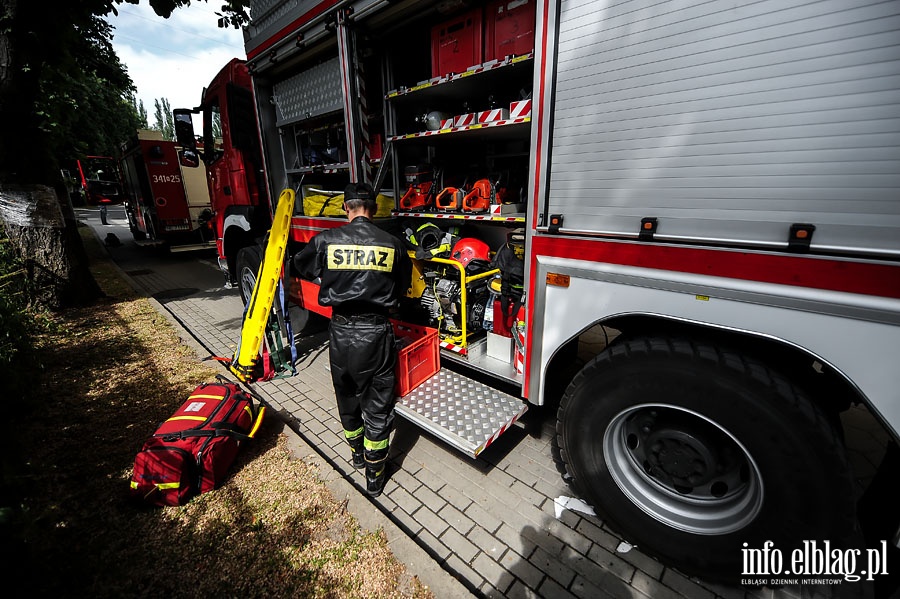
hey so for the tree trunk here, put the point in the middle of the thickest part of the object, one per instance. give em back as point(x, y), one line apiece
point(48, 245)
point(39, 221)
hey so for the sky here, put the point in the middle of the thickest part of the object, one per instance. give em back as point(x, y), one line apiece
point(173, 58)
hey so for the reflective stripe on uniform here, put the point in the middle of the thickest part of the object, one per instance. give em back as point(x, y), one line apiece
point(375, 445)
point(351, 435)
point(360, 257)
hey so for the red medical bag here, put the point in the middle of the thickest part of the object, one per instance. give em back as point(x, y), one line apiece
point(191, 452)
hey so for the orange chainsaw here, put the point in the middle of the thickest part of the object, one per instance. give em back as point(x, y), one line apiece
point(480, 198)
point(450, 199)
point(420, 194)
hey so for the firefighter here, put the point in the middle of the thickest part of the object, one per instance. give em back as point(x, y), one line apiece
point(363, 271)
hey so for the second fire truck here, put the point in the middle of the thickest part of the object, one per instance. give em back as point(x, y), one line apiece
point(167, 198)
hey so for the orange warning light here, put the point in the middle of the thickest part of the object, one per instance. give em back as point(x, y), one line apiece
point(557, 279)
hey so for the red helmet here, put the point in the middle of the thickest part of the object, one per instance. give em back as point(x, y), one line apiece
point(468, 249)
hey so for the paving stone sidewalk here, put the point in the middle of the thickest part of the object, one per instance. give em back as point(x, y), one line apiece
point(492, 526)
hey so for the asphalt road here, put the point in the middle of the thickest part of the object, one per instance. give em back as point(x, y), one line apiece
point(498, 526)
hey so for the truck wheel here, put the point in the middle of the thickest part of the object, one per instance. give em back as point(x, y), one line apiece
point(136, 233)
point(248, 260)
point(694, 453)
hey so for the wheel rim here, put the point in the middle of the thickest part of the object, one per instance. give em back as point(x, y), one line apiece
point(248, 281)
point(683, 469)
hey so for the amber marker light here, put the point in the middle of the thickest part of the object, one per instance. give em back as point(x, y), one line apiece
point(557, 280)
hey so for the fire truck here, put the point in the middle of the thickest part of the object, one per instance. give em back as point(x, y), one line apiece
point(98, 179)
point(712, 190)
point(167, 196)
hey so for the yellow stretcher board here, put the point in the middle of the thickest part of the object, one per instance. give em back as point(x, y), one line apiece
point(260, 306)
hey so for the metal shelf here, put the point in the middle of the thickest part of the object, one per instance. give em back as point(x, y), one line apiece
point(512, 128)
point(462, 84)
point(337, 167)
point(483, 217)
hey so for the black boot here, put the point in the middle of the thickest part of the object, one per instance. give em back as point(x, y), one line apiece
point(356, 452)
point(376, 463)
point(375, 477)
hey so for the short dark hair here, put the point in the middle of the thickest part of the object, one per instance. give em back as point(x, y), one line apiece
point(360, 195)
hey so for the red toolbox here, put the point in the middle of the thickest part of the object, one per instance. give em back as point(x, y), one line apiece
point(456, 44)
point(417, 359)
point(508, 28)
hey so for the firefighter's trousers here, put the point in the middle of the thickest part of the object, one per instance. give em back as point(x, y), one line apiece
point(362, 356)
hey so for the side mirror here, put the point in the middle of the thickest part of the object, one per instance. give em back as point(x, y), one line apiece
point(188, 158)
point(184, 129)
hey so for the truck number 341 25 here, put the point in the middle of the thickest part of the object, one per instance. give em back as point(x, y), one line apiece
point(167, 178)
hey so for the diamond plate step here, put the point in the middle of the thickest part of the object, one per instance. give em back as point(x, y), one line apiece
point(464, 413)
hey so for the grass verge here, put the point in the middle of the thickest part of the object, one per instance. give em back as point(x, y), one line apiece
point(106, 377)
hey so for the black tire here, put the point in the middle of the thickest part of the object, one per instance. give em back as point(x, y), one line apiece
point(136, 233)
point(691, 451)
point(151, 226)
point(247, 264)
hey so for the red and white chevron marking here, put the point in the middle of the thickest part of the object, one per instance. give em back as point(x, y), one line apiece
point(502, 430)
point(462, 128)
point(521, 108)
point(495, 114)
point(487, 66)
point(464, 120)
point(457, 216)
point(457, 349)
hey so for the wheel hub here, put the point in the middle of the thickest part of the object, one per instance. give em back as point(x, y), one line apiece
point(683, 469)
point(678, 456)
point(677, 450)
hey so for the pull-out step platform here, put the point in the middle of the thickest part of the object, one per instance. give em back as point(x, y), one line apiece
point(206, 245)
point(464, 413)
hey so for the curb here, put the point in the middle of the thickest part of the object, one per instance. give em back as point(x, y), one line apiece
point(417, 561)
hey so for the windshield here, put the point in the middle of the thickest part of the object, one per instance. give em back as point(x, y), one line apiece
point(212, 131)
point(99, 168)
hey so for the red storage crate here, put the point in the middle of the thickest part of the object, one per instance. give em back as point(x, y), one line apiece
point(508, 28)
point(417, 359)
point(456, 44)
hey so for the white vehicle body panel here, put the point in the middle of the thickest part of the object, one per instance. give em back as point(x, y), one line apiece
point(857, 335)
point(729, 121)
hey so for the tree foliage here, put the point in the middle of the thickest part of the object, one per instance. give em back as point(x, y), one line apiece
point(59, 75)
point(165, 122)
point(138, 108)
point(63, 93)
point(59, 68)
point(233, 12)
point(88, 103)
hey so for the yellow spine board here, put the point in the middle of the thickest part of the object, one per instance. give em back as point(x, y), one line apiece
point(253, 329)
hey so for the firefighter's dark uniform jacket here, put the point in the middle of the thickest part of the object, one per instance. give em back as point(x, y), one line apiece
point(363, 272)
point(362, 267)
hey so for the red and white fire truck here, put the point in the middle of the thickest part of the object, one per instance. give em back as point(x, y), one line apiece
point(713, 189)
point(167, 197)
